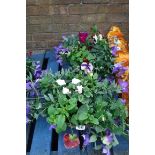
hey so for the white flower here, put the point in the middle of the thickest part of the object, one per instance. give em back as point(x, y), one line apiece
point(66, 90)
point(61, 82)
point(95, 38)
point(79, 89)
point(80, 127)
point(75, 81)
point(100, 36)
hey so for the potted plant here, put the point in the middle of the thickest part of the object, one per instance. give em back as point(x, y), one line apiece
point(86, 96)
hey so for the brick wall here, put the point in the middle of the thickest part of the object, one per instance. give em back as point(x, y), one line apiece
point(48, 20)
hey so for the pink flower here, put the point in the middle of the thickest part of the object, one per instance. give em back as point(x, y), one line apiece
point(83, 36)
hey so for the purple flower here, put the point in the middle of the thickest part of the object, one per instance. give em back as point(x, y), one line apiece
point(27, 109)
point(86, 139)
point(60, 50)
point(119, 69)
point(114, 49)
point(105, 150)
point(123, 101)
point(27, 120)
point(107, 132)
point(117, 121)
point(28, 86)
point(123, 85)
point(87, 67)
point(52, 127)
point(110, 79)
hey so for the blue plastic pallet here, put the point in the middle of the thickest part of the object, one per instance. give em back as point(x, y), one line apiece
point(40, 140)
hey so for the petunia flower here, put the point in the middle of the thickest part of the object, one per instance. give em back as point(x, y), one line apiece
point(123, 101)
point(28, 86)
point(100, 36)
point(108, 138)
point(27, 120)
point(83, 36)
point(87, 67)
point(95, 38)
point(52, 127)
point(66, 91)
point(86, 139)
point(61, 82)
point(105, 150)
point(123, 85)
point(119, 69)
point(38, 71)
point(75, 81)
point(79, 89)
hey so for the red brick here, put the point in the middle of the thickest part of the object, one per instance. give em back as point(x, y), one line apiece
point(40, 45)
point(119, 1)
point(60, 2)
point(44, 10)
point(83, 9)
point(95, 1)
point(53, 43)
point(113, 8)
point(29, 45)
point(44, 36)
point(50, 28)
point(44, 2)
point(66, 19)
point(33, 28)
point(37, 10)
point(32, 2)
point(40, 19)
point(32, 10)
point(93, 18)
point(117, 18)
point(28, 37)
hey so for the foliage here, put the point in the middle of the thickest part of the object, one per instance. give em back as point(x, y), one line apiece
point(84, 95)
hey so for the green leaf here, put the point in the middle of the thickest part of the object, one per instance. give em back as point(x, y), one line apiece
point(95, 121)
point(115, 143)
point(83, 116)
point(73, 101)
point(46, 98)
point(74, 120)
point(60, 123)
point(95, 76)
point(51, 110)
point(93, 138)
point(87, 94)
point(51, 97)
point(81, 98)
point(83, 109)
point(98, 129)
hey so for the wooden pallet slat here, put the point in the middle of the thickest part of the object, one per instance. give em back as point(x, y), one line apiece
point(122, 148)
point(52, 64)
point(38, 57)
point(41, 143)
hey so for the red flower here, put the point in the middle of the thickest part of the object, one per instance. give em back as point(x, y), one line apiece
point(29, 53)
point(83, 36)
point(70, 143)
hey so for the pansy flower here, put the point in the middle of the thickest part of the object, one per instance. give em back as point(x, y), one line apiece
point(86, 139)
point(123, 85)
point(87, 67)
